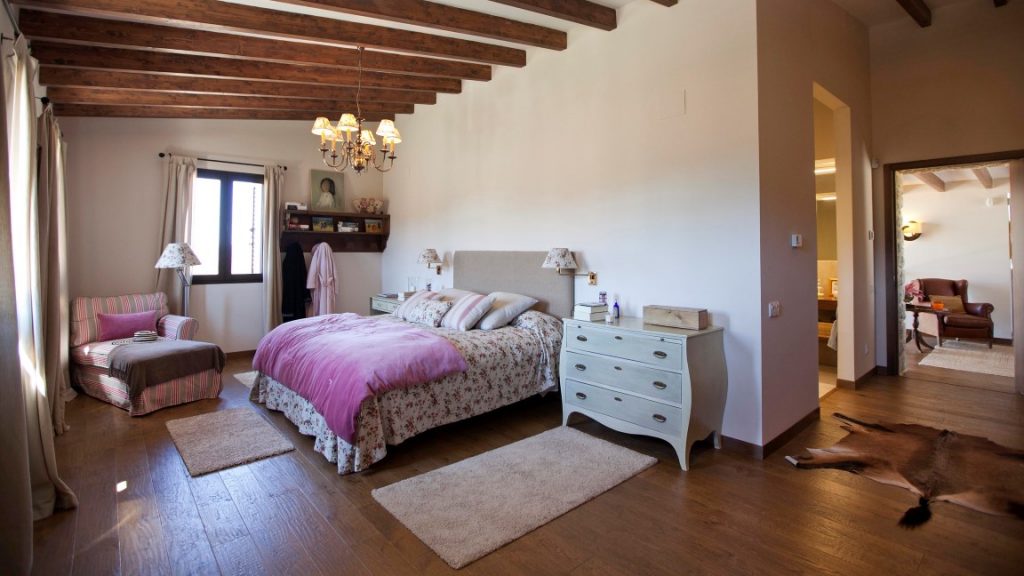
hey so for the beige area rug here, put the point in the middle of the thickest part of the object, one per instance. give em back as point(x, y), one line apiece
point(971, 357)
point(471, 508)
point(248, 379)
point(218, 440)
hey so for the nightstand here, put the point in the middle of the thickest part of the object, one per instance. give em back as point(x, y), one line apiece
point(639, 378)
point(382, 305)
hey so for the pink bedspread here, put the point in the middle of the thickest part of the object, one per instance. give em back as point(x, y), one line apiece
point(338, 361)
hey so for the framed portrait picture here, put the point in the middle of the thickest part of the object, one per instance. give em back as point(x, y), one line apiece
point(322, 223)
point(326, 191)
point(375, 226)
point(834, 287)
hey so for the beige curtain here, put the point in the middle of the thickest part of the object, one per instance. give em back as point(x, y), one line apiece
point(53, 265)
point(273, 188)
point(15, 482)
point(177, 216)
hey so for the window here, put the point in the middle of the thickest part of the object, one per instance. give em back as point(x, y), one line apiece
point(227, 236)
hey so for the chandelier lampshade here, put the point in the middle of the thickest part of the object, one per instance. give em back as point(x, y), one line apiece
point(355, 146)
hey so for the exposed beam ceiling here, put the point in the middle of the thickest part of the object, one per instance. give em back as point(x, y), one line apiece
point(983, 176)
point(186, 112)
point(932, 179)
point(578, 11)
point(449, 18)
point(666, 2)
point(919, 11)
point(1000, 3)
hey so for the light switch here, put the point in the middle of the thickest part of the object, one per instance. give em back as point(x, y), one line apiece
point(774, 309)
point(796, 240)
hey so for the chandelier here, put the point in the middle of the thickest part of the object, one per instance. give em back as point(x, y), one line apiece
point(351, 144)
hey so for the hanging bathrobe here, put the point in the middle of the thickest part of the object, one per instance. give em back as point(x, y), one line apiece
point(321, 279)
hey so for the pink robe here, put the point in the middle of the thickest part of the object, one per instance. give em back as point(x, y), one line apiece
point(321, 279)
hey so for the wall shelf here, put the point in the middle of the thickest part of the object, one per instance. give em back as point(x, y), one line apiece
point(359, 241)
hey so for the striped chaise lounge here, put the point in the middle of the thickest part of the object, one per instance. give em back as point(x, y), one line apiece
point(89, 361)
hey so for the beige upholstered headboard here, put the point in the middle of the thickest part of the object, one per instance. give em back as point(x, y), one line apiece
point(518, 272)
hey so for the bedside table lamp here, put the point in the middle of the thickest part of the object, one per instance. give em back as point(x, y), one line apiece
point(559, 258)
point(431, 259)
point(179, 256)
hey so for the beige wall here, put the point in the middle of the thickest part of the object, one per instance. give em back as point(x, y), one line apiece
point(115, 194)
point(799, 43)
point(952, 89)
point(596, 148)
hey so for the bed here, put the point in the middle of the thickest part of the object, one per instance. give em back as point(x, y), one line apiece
point(503, 366)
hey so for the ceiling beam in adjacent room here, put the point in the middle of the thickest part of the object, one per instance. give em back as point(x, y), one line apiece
point(49, 53)
point(1000, 3)
point(66, 110)
point(147, 98)
point(96, 31)
point(983, 176)
point(451, 18)
point(579, 11)
point(666, 2)
point(52, 76)
point(919, 11)
point(932, 180)
point(211, 14)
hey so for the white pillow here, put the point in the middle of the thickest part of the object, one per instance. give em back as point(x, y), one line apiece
point(467, 311)
point(427, 312)
point(506, 307)
point(454, 294)
point(409, 302)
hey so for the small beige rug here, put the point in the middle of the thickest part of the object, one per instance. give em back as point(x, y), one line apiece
point(248, 379)
point(971, 357)
point(218, 440)
point(471, 508)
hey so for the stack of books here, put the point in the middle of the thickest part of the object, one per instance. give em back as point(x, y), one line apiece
point(145, 336)
point(589, 311)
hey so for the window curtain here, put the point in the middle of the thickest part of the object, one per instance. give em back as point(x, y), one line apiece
point(31, 269)
point(273, 188)
point(177, 216)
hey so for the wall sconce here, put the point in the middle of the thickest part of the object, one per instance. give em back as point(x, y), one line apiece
point(911, 230)
point(559, 258)
point(431, 259)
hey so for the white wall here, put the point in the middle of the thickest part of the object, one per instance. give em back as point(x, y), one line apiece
point(802, 43)
point(115, 194)
point(963, 238)
point(592, 148)
point(954, 88)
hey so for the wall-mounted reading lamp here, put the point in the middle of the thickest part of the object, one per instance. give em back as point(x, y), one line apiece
point(559, 258)
point(911, 230)
point(431, 259)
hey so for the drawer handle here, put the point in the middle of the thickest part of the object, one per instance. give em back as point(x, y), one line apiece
point(581, 338)
point(619, 368)
point(660, 354)
point(618, 337)
point(581, 367)
point(581, 395)
point(617, 399)
point(657, 417)
point(660, 385)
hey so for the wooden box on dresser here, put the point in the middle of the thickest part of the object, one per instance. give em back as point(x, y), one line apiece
point(638, 378)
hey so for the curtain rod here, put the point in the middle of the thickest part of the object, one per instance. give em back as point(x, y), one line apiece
point(162, 154)
point(10, 16)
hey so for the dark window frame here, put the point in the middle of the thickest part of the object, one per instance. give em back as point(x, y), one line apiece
point(224, 275)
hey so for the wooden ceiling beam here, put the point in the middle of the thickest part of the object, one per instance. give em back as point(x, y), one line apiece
point(1000, 3)
point(95, 31)
point(932, 180)
point(442, 17)
point(983, 176)
point(224, 16)
point(919, 11)
point(666, 2)
point(52, 76)
point(578, 11)
point(49, 53)
point(68, 110)
point(148, 98)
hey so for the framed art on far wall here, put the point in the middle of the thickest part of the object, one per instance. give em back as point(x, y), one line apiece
point(326, 191)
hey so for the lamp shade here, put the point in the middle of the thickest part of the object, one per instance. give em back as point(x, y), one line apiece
point(177, 255)
point(348, 123)
point(322, 127)
point(386, 128)
point(429, 256)
point(560, 258)
point(394, 138)
point(367, 138)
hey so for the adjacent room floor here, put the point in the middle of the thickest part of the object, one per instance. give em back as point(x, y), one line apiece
point(730, 513)
point(956, 377)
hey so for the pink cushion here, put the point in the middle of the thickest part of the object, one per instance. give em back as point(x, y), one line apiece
point(114, 326)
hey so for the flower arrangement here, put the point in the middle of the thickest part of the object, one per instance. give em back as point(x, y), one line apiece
point(913, 292)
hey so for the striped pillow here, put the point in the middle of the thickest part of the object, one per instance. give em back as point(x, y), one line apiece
point(403, 309)
point(467, 311)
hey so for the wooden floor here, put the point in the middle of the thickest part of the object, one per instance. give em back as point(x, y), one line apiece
point(958, 377)
point(730, 514)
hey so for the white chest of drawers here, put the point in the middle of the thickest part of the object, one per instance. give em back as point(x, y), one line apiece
point(643, 379)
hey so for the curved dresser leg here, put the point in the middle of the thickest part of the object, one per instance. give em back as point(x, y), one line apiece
point(682, 453)
point(718, 440)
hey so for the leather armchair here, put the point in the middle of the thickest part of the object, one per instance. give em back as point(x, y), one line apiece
point(975, 322)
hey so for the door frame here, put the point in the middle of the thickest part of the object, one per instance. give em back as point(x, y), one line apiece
point(894, 336)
